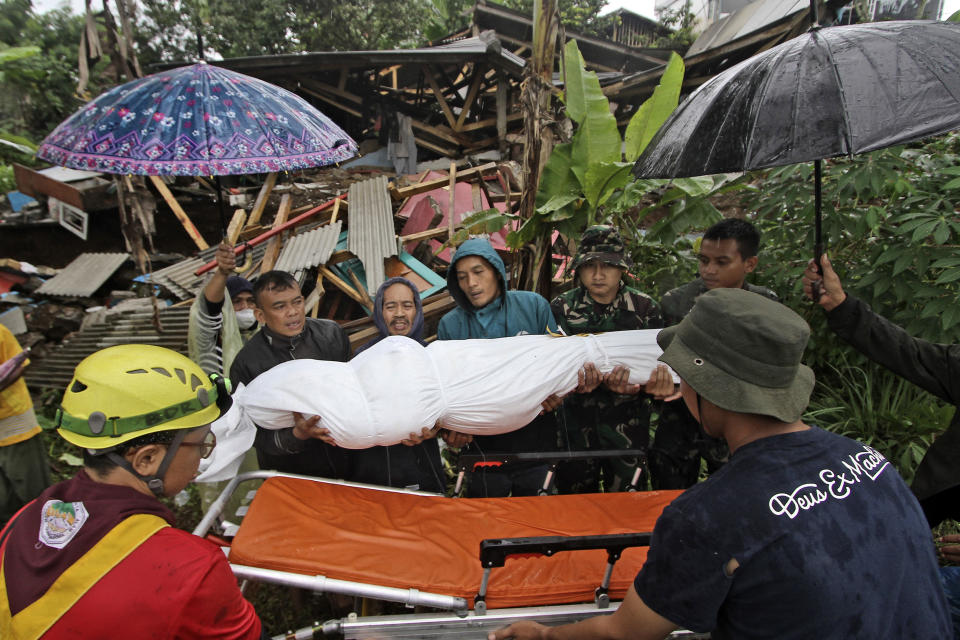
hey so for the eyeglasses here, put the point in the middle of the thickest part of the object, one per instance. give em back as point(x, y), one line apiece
point(206, 445)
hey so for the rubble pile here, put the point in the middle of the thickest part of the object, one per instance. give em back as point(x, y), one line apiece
point(341, 232)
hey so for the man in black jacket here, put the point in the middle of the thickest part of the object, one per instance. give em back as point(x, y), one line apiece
point(933, 367)
point(288, 334)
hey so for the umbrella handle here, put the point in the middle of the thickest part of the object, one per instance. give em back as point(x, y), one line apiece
point(245, 259)
point(817, 289)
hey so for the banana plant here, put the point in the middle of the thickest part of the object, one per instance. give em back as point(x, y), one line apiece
point(590, 172)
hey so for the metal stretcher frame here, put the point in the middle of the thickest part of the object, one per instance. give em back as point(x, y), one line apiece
point(493, 554)
point(319, 583)
point(476, 461)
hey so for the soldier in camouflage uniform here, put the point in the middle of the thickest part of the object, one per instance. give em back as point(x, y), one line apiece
point(728, 252)
point(600, 301)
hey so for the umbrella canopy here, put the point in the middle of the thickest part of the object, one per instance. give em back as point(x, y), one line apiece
point(197, 120)
point(832, 91)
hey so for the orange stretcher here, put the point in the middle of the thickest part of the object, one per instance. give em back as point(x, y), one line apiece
point(348, 534)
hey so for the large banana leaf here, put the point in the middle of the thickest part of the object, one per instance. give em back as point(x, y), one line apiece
point(597, 138)
point(557, 178)
point(604, 178)
point(17, 142)
point(654, 112)
point(15, 53)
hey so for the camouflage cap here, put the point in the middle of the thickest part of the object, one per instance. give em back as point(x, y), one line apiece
point(601, 242)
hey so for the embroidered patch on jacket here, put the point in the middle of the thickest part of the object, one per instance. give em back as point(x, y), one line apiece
point(60, 521)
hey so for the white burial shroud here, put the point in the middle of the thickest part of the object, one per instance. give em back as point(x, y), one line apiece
point(397, 387)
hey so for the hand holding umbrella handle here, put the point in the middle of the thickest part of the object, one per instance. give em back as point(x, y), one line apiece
point(272, 232)
point(816, 286)
point(820, 276)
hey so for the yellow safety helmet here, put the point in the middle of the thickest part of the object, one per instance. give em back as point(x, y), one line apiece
point(127, 391)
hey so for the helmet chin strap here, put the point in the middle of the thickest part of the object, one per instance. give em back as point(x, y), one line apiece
point(155, 481)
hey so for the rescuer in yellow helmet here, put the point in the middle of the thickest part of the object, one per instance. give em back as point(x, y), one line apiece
point(142, 416)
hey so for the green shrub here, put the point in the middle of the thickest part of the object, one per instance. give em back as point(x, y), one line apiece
point(864, 401)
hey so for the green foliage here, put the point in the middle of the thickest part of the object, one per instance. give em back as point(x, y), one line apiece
point(597, 139)
point(655, 111)
point(892, 232)
point(890, 226)
point(39, 72)
point(16, 53)
point(7, 181)
point(447, 16)
point(585, 180)
point(13, 18)
point(17, 143)
point(478, 223)
point(683, 22)
point(687, 204)
point(658, 266)
point(579, 15)
point(864, 401)
point(265, 27)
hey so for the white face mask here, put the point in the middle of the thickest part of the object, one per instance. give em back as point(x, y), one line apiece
point(246, 319)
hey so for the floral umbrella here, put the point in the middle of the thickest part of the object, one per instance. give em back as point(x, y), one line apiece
point(196, 120)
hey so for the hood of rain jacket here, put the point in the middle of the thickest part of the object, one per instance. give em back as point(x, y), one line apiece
point(416, 331)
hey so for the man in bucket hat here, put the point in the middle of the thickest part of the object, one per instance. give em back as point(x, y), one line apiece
point(613, 416)
point(802, 534)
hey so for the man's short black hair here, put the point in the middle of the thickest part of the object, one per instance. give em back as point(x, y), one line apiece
point(746, 235)
point(273, 281)
point(102, 464)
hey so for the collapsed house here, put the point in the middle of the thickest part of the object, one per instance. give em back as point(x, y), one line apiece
point(439, 130)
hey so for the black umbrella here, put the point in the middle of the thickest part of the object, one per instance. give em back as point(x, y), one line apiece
point(832, 91)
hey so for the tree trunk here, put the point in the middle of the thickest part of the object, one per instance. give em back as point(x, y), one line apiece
point(537, 120)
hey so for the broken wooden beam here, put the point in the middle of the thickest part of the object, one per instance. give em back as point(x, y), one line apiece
point(236, 226)
point(452, 182)
point(338, 282)
point(471, 95)
point(273, 249)
point(261, 202)
point(430, 185)
point(438, 94)
point(425, 235)
point(178, 211)
point(362, 290)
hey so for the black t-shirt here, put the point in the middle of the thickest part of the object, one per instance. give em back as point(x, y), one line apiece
point(830, 542)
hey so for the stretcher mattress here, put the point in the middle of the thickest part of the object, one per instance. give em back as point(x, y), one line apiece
point(432, 543)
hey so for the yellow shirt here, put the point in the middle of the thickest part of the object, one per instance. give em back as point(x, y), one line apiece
point(17, 420)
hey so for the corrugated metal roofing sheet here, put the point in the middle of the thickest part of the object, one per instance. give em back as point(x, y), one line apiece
point(134, 327)
point(180, 278)
point(308, 249)
point(753, 17)
point(371, 236)
point(84, 275)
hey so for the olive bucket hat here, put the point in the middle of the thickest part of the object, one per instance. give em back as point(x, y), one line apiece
point(601, 242)
point(741, 351)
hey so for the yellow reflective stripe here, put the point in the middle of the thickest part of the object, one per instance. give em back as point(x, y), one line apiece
point(39, 616)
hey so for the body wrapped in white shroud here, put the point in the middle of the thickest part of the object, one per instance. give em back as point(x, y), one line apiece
point(482, 387)
point(398, 387)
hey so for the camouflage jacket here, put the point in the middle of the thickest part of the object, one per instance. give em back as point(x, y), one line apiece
point(603, 419)
point(676, 303)
point(576, 312)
